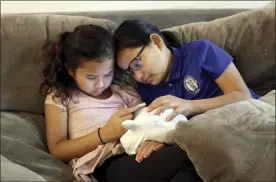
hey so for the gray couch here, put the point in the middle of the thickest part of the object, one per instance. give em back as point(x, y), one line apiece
point(23, 141)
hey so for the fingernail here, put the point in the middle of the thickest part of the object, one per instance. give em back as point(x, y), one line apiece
point(145, 156)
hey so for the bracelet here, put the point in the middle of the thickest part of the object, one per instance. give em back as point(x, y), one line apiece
point(100, 137)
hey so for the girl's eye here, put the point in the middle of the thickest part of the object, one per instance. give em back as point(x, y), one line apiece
point(109, 74)
point(91, 78)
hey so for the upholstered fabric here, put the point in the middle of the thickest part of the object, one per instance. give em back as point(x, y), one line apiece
point(23, 142)
point(11, 171)
point(232, 143)
point(163, 18)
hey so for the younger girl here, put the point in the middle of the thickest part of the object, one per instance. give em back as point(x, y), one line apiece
point(84, 112)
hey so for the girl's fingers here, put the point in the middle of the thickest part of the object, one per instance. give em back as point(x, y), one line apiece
point(159, 146)
point(141, 151)
point(149, 150)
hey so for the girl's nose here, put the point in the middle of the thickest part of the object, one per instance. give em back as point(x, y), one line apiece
point(138, 76)
point(100, 83)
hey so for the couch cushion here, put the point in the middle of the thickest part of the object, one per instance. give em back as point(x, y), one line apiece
point(232, 143)
point(19, 173)
point(23, 142)
point(22, 37)
point(248, 36)
point(162, 18)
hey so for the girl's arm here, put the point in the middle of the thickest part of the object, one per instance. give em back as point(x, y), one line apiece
point(231, 84)
point(57, 133)
point(57, 136)
point(233, 87)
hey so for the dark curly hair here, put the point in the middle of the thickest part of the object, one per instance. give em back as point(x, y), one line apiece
point(85, 43)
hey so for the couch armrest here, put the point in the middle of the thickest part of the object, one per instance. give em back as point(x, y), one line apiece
point(19, 173)
point(23, 142)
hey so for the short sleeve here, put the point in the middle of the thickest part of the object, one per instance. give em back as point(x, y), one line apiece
point(128, 94)
point(214, 60)
point(55, 102)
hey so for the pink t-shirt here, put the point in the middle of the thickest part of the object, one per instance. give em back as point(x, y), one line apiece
point(88, 114)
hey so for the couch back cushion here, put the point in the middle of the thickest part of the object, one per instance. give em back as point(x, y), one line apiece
point(248, 36)
point(22, 37)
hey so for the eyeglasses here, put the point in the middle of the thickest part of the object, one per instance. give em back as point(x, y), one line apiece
point(136, 63)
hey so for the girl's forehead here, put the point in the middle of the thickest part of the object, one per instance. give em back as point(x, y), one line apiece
point(95, 66)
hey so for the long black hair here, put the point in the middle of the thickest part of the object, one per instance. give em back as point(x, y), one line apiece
point(135, 33)
point(85, 43)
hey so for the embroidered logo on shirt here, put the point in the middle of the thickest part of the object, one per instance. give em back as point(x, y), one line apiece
point(191, 84)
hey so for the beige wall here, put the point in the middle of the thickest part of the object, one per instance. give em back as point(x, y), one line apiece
point(63, 6)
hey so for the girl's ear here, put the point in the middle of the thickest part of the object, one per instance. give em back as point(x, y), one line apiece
point(70, 72)
point(157, 40)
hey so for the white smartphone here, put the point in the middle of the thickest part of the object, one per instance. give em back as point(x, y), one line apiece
point(141, 105)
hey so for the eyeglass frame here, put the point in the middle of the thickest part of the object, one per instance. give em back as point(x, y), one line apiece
point(136, 58)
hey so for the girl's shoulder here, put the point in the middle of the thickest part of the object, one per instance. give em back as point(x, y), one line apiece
point(56, 101)
point(122, 87)
point(127, 93)
point(196, 46)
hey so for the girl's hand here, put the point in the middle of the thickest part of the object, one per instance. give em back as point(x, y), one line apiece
point(114, 124)
point(179, 105)
point(146, 148)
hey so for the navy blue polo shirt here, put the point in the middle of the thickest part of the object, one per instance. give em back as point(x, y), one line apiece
point(196, 66)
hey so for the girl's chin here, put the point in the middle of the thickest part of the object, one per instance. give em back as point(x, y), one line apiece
point(152, 81)
point(97, 93)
